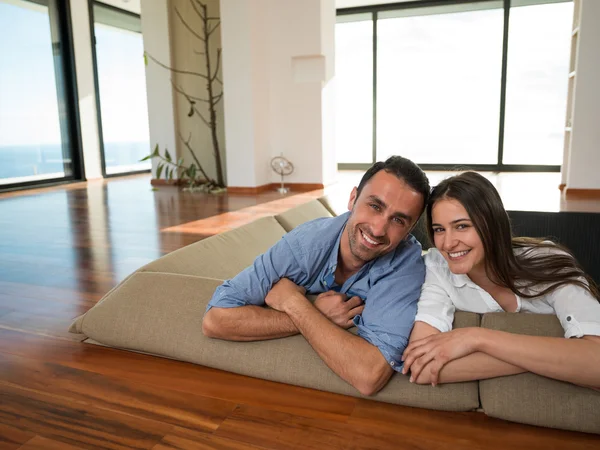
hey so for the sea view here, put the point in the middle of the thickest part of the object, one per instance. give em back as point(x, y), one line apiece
point(38, 160)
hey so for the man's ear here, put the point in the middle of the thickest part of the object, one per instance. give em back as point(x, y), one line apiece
point(352, 199)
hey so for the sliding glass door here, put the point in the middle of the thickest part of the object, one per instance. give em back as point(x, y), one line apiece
point(36, 143)
point(122, 90)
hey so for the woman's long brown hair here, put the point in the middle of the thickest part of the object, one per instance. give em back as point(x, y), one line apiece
point(533, 268)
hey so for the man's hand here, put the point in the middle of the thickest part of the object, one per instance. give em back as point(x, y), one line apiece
point(337, 308)
point(281, 292)
point(439, 349)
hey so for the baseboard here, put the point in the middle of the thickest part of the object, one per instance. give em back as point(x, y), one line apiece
point(294, 187)
point(248, 190)
point(163, 182)
point(572, 193)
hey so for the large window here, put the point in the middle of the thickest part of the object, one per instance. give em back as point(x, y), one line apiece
point(354, 90)
point(478, 84)
point(35, 122)
point(536, 86)
point(122, 90)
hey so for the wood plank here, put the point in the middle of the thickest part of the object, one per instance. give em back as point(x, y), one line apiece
point(114, 394)
point(12, 437)
point(465, 428)
point(288, 432)
point(53, 325)
point(179, 376)
point(57, 294)
point(184, 439)
point(42, 443)
point(76, 424)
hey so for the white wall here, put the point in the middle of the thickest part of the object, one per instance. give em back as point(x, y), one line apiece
point(84, 69)
point(277, 61)
point(242, 112)
point(161, 111)
point(584, 158)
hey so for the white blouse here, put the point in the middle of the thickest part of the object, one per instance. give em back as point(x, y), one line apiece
point(444, 292)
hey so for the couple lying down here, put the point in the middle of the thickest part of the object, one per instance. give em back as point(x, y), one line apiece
point(367, 271)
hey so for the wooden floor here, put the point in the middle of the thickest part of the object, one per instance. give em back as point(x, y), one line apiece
point(62, 249)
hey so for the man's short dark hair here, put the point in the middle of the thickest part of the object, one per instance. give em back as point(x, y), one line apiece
point(405, 170)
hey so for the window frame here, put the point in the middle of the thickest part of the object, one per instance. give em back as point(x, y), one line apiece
point(62, 12)
point(499, 166)
point(124, 12)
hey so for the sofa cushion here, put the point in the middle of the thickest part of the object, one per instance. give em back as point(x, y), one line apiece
point(533, 399)
point(161, 314)
point(224, 255)
point(291, 218)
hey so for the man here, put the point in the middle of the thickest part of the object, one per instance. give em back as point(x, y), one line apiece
point(366, 267)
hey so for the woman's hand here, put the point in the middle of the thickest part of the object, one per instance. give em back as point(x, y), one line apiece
point(439, 349)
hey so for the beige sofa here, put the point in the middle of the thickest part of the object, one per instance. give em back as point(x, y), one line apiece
point(159, 308)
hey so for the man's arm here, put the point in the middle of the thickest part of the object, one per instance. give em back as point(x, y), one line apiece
point(236, 311)
point(352, 358)
point(247, 323)
point(254, 323)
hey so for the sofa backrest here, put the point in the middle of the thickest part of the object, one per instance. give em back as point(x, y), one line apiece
point(224, 255)
point(291, 218)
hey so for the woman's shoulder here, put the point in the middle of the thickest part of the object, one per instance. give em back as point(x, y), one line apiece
point(433, 258)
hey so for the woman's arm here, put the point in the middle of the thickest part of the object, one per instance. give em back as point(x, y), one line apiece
point(573, 360)
point(476, 366)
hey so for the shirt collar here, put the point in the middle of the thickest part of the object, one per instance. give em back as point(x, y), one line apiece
point(460, 279)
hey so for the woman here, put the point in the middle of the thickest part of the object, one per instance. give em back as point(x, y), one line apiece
point(478, 266)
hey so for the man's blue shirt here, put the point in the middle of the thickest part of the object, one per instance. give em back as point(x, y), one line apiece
point(308, 255)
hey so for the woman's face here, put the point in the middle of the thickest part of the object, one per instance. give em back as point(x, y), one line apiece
point(455, 236)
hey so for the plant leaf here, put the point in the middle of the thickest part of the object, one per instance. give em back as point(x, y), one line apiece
point(167, 155)
point(155, 153)
point(146, 158)
point(159, 171)
point(180, 162)
point(145, 59)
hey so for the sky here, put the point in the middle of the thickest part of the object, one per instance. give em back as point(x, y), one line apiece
point(28, 99)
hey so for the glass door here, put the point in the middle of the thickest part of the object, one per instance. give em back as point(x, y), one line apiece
point(35, 120)
point(121, 90)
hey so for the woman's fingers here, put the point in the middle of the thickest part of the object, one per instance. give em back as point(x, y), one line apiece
point(413, 345)
point(418, 365)
point(435, 368)
point(412, 356)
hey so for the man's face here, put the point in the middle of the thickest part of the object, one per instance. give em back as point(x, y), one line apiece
point(381, 217)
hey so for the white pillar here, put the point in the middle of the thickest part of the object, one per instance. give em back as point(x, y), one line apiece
point(583, 158)
point(277, 62)
point(84, 70)
point(161, 110)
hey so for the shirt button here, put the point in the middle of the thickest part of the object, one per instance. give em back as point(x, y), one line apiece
point(392, 363)
point(568, 318)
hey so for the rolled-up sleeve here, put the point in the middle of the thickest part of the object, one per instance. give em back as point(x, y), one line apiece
point(251, 286)
point(577, 310)
point(389, 313)
point(435, 306)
